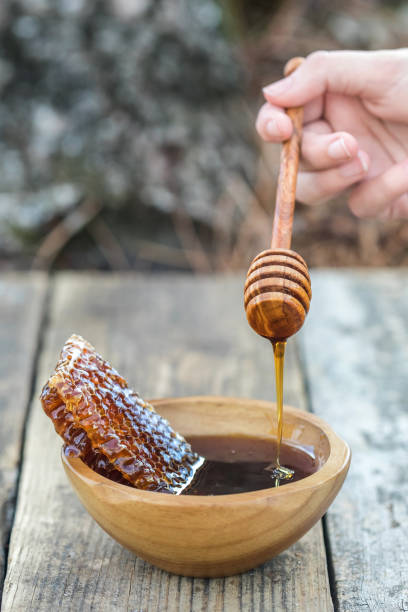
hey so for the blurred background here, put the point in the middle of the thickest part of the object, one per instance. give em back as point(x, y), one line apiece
point(127, 132)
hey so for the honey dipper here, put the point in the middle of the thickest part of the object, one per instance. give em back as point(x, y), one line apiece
point(277, 289)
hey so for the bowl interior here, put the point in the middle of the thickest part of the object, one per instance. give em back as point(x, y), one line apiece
point(235, 417)
point(231, 417)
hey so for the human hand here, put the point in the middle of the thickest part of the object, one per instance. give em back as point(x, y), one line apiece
point(355, 128)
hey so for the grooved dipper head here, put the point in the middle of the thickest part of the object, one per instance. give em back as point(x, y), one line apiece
point(277, 293)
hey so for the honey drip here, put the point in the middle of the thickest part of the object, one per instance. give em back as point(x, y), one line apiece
point(279, 472)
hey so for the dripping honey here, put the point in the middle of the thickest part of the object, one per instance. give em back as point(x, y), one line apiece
point(281, 473)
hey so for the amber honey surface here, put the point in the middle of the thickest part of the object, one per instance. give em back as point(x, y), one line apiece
point(242, 464)
point(111, 427)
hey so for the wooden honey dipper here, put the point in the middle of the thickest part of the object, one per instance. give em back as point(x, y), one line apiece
point(277, 290)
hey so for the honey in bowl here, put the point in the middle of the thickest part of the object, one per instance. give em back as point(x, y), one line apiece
point(242, 464)
point(120, 436)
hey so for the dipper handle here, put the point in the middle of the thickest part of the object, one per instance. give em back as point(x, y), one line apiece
point(289, 163)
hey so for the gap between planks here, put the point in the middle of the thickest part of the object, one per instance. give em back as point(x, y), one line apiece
point(331, 575)
point(354, 349)
point(25, 331)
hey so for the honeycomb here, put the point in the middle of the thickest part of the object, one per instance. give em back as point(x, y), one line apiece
point(110, 427)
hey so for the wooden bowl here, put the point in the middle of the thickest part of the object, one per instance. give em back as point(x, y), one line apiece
point(224, 534)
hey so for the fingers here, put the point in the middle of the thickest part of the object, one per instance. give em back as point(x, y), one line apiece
point(326, 150)
point(397, 209)
point(354, 73)
point(313, 110)
point(321, 148)
point(273, 124)
point(317, 187)
point(383, 195)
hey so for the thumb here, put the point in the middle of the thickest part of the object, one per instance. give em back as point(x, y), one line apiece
point(353, 73)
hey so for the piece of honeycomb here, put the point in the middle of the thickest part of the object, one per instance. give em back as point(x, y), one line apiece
point(110, 427)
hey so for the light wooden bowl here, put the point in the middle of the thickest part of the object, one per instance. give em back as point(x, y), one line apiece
point(226, 534)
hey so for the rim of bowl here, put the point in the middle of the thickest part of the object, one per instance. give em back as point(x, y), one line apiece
point(337, 461)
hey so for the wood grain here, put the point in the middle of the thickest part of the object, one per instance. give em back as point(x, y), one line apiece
point(355, 349)
point(289, 163)
point(277, 293)
point(21, 306)
point(59, 558)
point(277, 303)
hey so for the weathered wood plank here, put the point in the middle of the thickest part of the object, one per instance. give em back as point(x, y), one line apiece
point(21, 306)
point(169, 336)
point(355, 346)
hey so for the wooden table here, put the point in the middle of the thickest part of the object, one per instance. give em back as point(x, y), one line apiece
point(349, 365)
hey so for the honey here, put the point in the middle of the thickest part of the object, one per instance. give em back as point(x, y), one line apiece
point(120, 436)
point(281, 473)
point(243, 464)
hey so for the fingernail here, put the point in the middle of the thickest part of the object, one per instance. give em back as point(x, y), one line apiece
point(338, 150)
point(278, 88)
point(363, 161)
point(272, 128)
point(355, 167)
